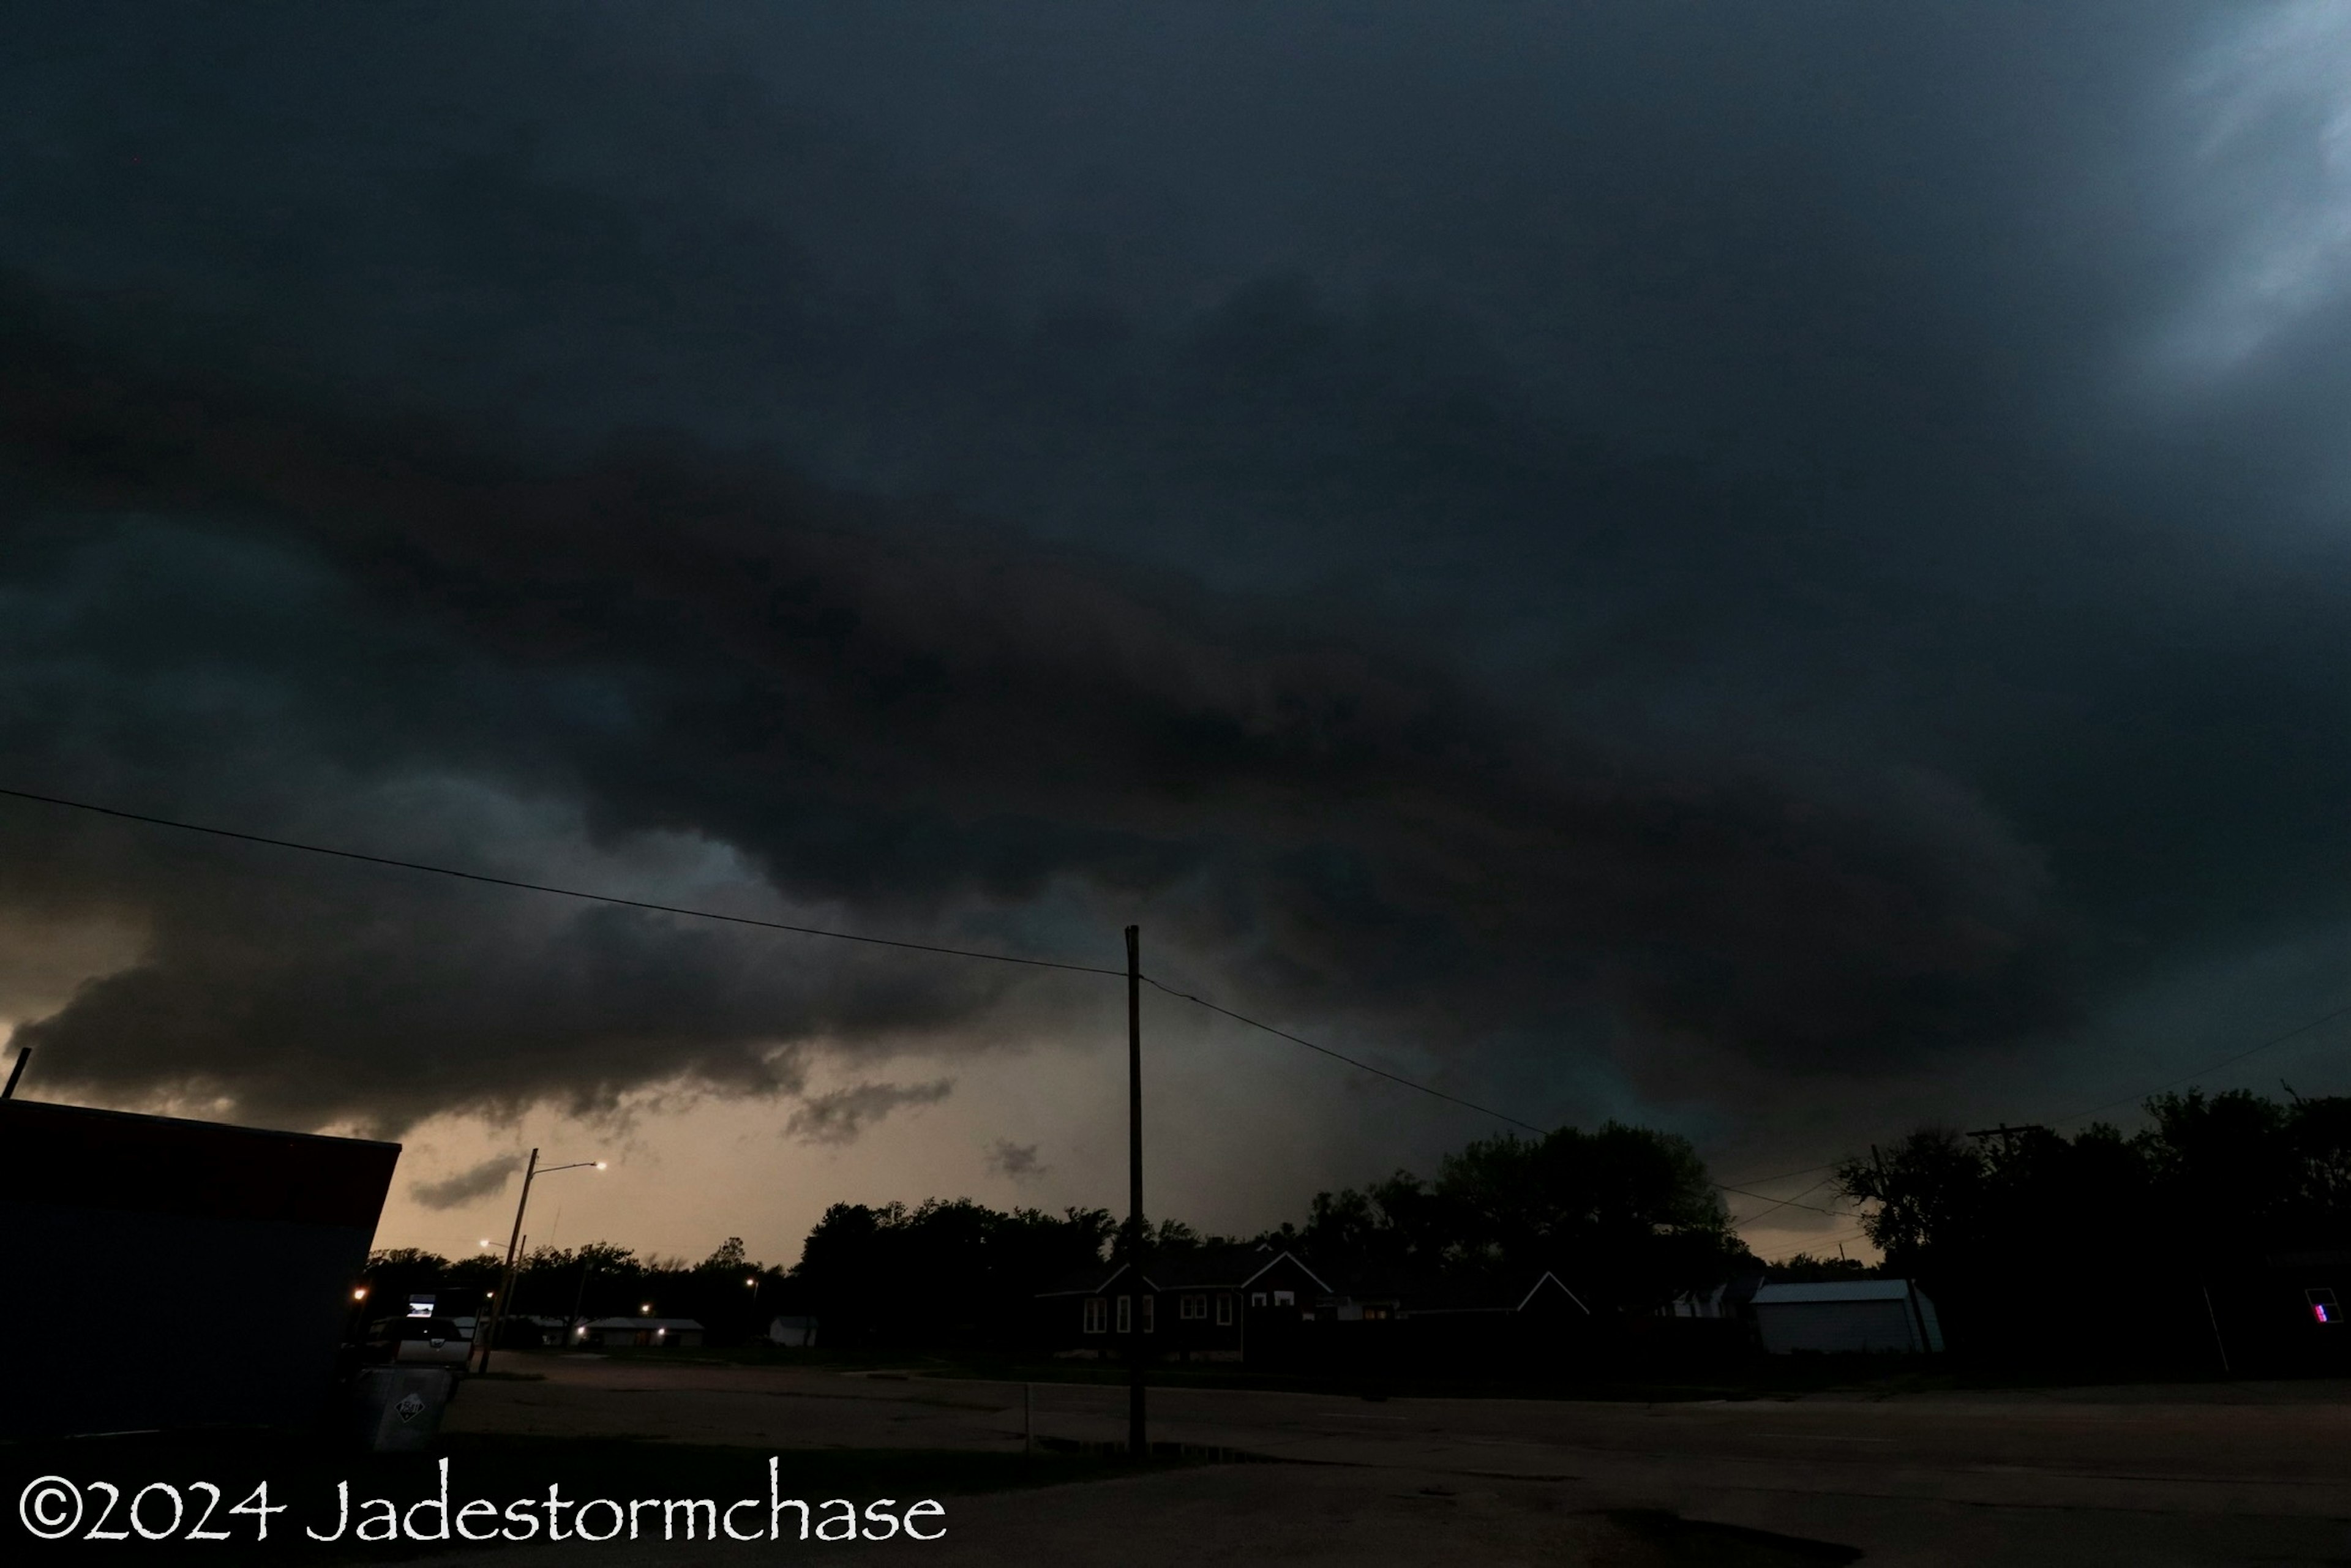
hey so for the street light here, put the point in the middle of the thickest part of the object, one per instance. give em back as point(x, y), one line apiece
point(531, 1172)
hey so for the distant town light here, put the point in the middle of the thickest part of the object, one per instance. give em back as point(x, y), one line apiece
point(647, 1310)
point(359, 1294)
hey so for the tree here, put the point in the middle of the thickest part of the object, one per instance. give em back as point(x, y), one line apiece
point(949, 1271)
point(2027, 1238)
point(1629, 1214)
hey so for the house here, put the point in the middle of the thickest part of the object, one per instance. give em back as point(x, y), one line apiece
point(1199, 1303)
point(1432, 1298)
point(1846, 1315)
point(1435, 1325)
point(643, 1334)
point(1734, 1298)
point(1546, 1296)
point(1209, 1296)
point(519, 1330)
point(1075, 1310)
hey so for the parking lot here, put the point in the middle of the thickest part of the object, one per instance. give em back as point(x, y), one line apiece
point(2205, 1473)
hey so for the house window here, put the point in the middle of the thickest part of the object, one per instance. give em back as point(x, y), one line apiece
point(1378, 1315)
point(1256, 1298)
point(2322, 1305)
point(1225, 1310)
point(1148, 1324)
point(1193, 1307)
point(1097, 1315)
point(1126, 1314)
point(1285, 1298)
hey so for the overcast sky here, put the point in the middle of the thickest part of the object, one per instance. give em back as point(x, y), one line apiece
point(1776, 571)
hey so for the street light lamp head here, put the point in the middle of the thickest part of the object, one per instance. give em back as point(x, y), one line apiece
point(599, 1165)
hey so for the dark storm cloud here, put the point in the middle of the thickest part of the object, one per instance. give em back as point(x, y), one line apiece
point(839, 1116)
point(897, 715)
point(457, 1190)
point(1018, 1161)
point(1707, 566)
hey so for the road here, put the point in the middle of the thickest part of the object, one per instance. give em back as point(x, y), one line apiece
point(2235, 1473)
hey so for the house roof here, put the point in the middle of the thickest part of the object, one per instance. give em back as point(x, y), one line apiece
point(1222, 1268)
point(1494, 1293)
point(1833, 1290)
point(1090, 1281)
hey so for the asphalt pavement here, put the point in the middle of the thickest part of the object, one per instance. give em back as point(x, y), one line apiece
point(2209, 1473)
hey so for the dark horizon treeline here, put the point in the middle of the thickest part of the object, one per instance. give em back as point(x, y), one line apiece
point(2099, 1249)
point(2106, 1249)
point(731, 1294)
point(1629, 1216)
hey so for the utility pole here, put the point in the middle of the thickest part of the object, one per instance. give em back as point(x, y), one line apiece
point(1138, 1445)
point(505, 1280)
point(24, 1055)
point(571, 1335)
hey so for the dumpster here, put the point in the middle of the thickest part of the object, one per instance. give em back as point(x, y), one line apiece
point(397, 1409)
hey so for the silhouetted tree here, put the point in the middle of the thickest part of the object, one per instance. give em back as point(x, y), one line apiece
point(945, 1272)
point(2097, 1247)
point(1629, 1214)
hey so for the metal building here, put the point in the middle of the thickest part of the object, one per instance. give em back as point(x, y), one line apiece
point(105, 1216)
point(1845, 1316)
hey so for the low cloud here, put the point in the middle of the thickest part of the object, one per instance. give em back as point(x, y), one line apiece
point(473, 1182)
point(839, 1117)
point(1018, 1161)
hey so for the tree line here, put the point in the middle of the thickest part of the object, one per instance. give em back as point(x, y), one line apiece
point(1628, 1215)
point(729, 1292)
point(2096, 1248)
point(2107, 1248)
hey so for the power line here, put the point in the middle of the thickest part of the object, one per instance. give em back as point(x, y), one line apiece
point(1473, 1105)
point(1784, 1175)
point(1352, 1062)
point(1786, 1203)
point(485, 878)
point(1783, 1202)
point(558, 892)
point(2227, 1061)
point(273, 843)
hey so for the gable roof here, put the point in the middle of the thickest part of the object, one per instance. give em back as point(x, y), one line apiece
point(1090, 1281)
point(1548, 1278)
point(1506, 1293)
point(1833, 1290)
point(1233, 1268)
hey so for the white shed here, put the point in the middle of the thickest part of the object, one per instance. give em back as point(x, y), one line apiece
point(1847, 1315)
point(797, 1332)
